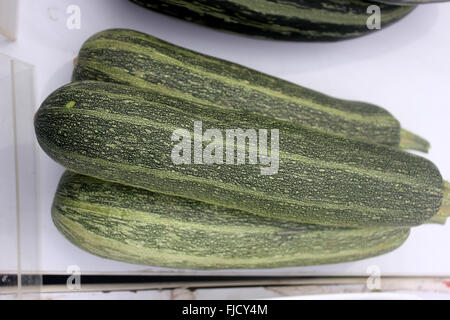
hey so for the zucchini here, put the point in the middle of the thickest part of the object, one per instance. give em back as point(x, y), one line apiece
point(123, 134)
point(139, 60)
point(137, 226)
point(294, 20)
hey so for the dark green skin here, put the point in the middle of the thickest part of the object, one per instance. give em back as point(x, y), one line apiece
point(139, 60)
point(319, 20)
point(138, 226)
point(122, 134)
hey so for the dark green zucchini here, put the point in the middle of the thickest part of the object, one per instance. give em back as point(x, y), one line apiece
point(297, 20)
point(137, 226)
point(139, 60)
point(123, 134)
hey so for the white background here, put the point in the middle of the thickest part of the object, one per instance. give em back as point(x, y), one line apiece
point(404, 68)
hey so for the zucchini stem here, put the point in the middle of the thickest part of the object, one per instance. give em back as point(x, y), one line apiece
point(411, 141)
point(444, 212)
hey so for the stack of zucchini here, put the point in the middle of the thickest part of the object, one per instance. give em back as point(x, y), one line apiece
point(344, 189)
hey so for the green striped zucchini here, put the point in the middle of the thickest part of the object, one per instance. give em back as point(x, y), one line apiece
point(298, 20)
point(139, 60)
point(409, 2)
point(137, 226)
point(123, 134)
